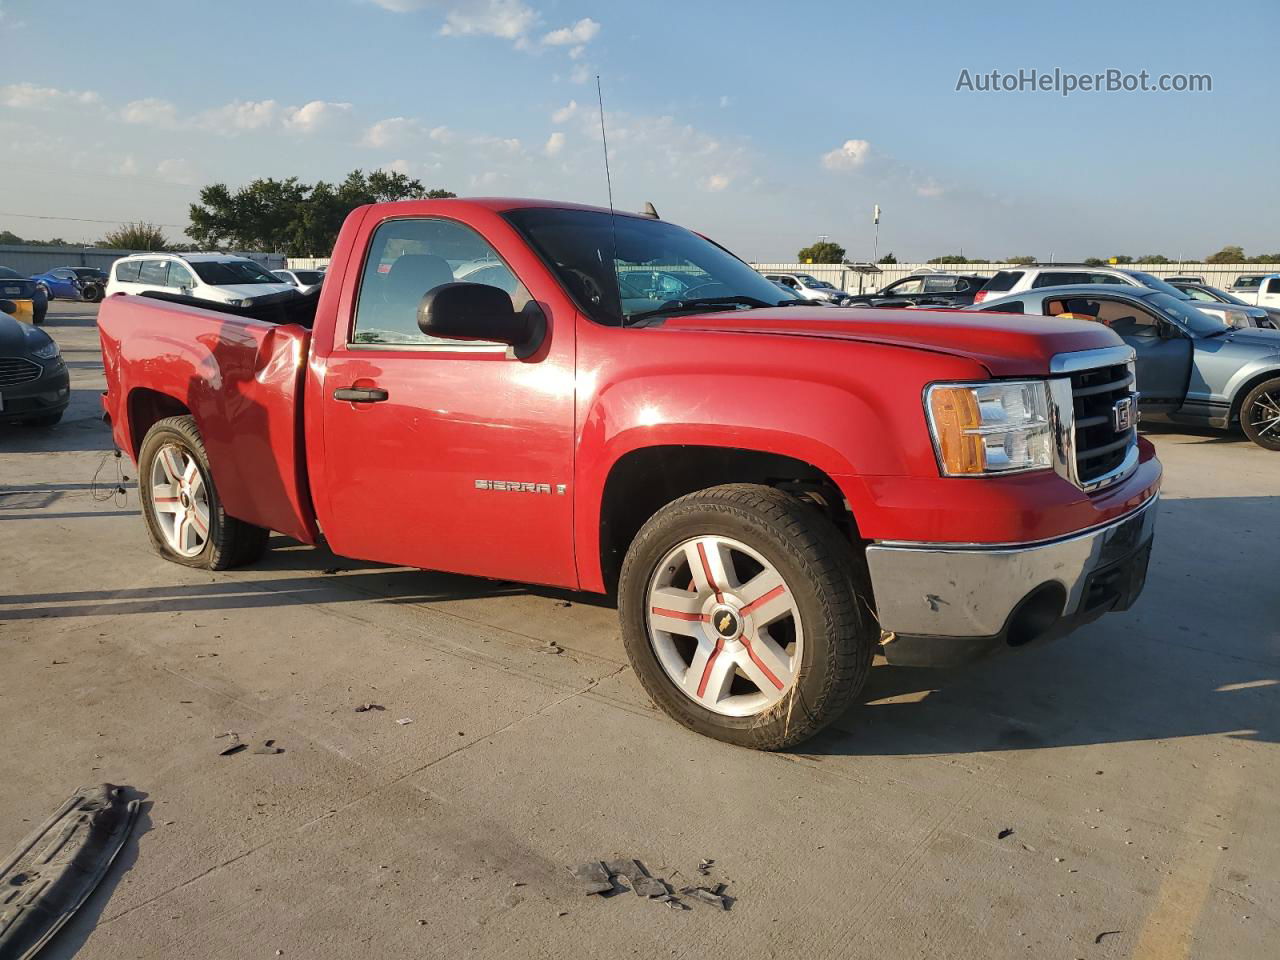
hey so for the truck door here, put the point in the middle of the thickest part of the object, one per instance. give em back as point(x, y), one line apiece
point(453, 455)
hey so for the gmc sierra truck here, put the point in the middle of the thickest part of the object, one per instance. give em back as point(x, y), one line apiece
point(510, 389)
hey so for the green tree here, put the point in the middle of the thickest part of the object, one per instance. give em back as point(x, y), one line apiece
point(8, 236)
point(888, 258)
point(1154, 258)
point(291, 217)
point(1094, 262)
point(824, 251)
point(954, 258)
point(1120, 260)
point(1265, 258)
point(136, 236)
point(1231, 253)
point(1025, 260)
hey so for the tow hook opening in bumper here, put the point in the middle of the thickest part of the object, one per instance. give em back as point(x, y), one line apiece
point(943, 605)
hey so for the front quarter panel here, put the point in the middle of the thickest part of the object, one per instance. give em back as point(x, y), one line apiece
point(852, 410)
point(1224, 366)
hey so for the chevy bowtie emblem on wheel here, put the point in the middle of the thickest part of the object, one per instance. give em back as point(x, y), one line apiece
point(1122, 414)
point(724, 623)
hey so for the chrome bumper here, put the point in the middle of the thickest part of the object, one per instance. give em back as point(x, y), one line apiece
point(946, 604)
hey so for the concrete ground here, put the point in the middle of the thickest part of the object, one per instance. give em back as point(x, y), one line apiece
point(1135, 762)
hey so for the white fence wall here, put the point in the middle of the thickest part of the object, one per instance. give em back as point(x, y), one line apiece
point(1216, 274)
point(30, 259)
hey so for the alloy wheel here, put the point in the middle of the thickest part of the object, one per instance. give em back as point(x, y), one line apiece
point(180, 500)
point(724, 626)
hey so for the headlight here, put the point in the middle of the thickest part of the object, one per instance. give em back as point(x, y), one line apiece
point(999, 427)
point(46, 352)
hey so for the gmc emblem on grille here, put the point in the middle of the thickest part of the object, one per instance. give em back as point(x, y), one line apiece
point(1122, 414)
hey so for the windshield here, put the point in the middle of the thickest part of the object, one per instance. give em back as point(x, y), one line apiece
point(231, 272)
point(1224, 297)
point(1155, 283)
point(814, 282)
point(1198, 323)
point(308, 276)
point(7, 273)
point(88, 273)
point(619, 267)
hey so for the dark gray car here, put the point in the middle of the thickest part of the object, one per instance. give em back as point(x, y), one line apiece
point(34, 386)
point(1192, 368)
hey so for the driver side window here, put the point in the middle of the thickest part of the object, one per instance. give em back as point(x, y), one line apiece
point(914, 285)
point(406, 259)
point(1124, 318)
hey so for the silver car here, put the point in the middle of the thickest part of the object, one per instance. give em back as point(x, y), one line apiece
point(1192, 368)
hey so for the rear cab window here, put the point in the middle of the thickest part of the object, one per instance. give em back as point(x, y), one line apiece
point(127, 271)
point(1013, 306)
point(1002, 281)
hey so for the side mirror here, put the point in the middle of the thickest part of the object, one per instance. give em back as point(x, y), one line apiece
point(477, 311)
point(8, 306)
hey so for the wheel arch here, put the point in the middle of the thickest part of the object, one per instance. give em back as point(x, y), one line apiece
point(644, 480)
point(1242, 391)
point(147, 407)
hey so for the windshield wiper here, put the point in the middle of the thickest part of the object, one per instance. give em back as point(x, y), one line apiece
point(696, 305)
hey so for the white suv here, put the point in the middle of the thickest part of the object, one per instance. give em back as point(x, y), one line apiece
point(1007, 282)
point(207, 276)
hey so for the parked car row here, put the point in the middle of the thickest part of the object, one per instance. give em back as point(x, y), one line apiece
point(72, 283)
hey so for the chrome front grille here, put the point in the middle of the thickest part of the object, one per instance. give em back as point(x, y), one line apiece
point(16, 370)
point(1095, 394)
point(1095, 416)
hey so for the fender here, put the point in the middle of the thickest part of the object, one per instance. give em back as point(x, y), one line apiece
point(242, 382)
point(1255, 371)
point(791, 403)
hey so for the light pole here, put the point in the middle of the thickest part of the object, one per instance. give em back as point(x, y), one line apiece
point(875, 218)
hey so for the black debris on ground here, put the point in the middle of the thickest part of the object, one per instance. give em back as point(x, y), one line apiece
point(705, 866)
point(1106, 933)
point(269, 748)
point(1006, 832)
point(366, 707)
point(704, 895)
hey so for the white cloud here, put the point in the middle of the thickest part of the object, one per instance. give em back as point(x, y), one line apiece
point(580, 74)
point(315, 115)
point(717, 182)
point(404, 6)
point(179, 170)
point(848, 156)
point(442, 134)
point(726, 100)
point(391, 132)
point(507, 19)
point(128, 166)
point(565, 113)
point(27, 96)
point(151, 111)
point(584, 31)
point(555, 143)
point(241, 115)
point(575, 53)
point(930, 188)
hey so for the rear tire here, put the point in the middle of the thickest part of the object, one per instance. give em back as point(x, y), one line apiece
point(1260, 414)
point(180, 504)
point(710, 671)
point(91, 293)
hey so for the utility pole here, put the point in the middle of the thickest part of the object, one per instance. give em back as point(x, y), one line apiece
point(875, 218)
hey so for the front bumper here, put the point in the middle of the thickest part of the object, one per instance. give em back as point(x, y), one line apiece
point(48, 394)
point(945, 604)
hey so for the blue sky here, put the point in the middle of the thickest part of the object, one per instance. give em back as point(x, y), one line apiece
point(761, 125)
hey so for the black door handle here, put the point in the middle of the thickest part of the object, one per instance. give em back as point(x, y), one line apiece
point(360, 394)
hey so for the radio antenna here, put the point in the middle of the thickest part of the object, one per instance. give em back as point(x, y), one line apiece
point(604, 143)
point(613, 217)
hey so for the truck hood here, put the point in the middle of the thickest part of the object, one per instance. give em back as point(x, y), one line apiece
point(1008, 345)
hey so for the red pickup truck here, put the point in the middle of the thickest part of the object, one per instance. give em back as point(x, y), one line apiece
point(556, 394)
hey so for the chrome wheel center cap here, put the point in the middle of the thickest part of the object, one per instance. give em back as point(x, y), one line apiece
point(726, 621)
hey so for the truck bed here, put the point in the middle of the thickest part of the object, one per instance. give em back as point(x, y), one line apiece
point(240, 378)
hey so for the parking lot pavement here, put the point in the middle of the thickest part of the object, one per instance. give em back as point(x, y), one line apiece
point(1135, 763)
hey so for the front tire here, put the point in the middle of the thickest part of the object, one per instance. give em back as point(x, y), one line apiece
point(1260, 414)
point(184, 516)
point(91, 293)
point(742, 618)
